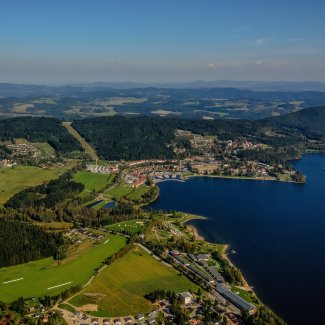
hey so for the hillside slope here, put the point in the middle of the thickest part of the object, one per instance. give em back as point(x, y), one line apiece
point(309, 120)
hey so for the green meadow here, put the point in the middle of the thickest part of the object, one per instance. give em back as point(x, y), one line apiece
point(122, 285)
point(13, 180)
point(38, 277)
point(93, 181)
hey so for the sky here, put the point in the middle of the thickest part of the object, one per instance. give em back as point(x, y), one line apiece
point(81, 41)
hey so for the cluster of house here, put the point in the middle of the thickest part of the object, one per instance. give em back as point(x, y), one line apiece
point(24, 149)
point(148, 162)
point(135, 179)
point(86, 320)
point(233, 167)
point(108, 169)
point(6, 163)
point(80, 234)
point(39, 312)
point(241, 144)
point(199, 143)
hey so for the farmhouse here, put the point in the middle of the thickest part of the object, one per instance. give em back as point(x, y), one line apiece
point(185, 297)
point(203, 257)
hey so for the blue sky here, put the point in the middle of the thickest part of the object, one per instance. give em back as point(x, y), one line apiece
point(47, 41)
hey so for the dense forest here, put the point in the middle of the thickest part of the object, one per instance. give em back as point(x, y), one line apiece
point(46, 195)
point(118, 138)
point(39, 129)
point(132, 138)
point(22, 243)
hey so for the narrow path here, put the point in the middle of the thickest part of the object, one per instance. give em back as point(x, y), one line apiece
point(87, 147)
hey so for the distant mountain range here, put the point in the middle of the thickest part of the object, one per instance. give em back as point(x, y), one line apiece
point(22, 90)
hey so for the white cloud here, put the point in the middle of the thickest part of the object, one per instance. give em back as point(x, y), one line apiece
point(261, 41)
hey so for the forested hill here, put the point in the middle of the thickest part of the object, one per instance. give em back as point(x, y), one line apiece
point(116, 138)
point(23, 243)
point(308, 120)
point(132, 138)
point(39, 129)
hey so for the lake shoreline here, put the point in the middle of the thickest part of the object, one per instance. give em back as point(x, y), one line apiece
point(225, 247)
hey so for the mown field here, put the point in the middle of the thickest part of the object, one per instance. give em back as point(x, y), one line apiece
point(37, 277)
point(13, 180)
point(123, 284)
point(92, 181)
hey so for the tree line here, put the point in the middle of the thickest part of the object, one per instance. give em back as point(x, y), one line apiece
point(24, 243)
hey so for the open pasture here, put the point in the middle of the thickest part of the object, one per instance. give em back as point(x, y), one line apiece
point(120, 288)
point(14, 180)
point(46, 276)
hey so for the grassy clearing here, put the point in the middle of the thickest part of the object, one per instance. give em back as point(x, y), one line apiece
point(21, 108)
point(40, 275)
point(92, 181)
point(87, 147)
point(132, 226)
point(123, 284)
point(13, 180)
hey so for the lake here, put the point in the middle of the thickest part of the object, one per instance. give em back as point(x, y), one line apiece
point(277, 229)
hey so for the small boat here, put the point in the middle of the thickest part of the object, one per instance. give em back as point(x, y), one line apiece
point(233, 252)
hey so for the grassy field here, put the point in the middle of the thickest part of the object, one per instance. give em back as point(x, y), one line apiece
point(119, 191)
point(138, 192)
point(122, 190)
point(132, 226)
point(92, 181)
point(37, 277)
point(45, 148)
point(13, 180)
point(123, 284)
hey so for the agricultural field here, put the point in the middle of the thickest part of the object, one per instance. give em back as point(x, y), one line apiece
point(120, 288)
point(13, 180)
point(92, 181)
point(47, 276)
point(132, 226)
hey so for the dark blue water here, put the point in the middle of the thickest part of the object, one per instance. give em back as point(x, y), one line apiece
point(277, 229)
point(109, 205)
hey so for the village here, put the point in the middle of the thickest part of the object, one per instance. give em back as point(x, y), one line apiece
point(217, 295)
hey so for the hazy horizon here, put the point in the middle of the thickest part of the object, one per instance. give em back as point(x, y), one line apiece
point(172, 41)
